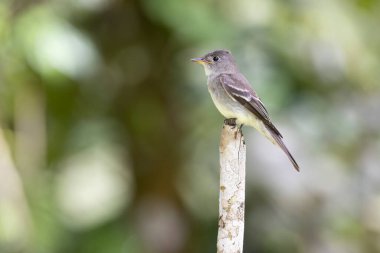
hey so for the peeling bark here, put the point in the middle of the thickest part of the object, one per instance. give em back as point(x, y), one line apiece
point(231, 191)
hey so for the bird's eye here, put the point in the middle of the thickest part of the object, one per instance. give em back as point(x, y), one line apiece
point(215, 58)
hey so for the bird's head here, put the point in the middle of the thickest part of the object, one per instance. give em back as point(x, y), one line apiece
point(217, 62)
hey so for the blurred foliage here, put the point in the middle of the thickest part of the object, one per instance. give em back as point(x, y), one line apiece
point(109, 140)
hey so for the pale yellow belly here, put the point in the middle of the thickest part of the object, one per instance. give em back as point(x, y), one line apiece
point(242, 115)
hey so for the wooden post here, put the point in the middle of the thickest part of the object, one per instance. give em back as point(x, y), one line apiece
point(232, 190)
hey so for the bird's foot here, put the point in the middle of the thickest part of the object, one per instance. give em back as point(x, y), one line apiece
point(230, 122)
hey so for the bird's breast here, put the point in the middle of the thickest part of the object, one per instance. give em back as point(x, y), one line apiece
point(226, 105)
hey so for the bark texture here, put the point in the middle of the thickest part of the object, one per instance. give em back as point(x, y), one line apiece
point(232, 190)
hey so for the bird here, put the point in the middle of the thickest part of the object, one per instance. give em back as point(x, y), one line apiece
point(235, 99)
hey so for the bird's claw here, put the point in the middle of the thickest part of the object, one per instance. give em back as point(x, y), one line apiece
point(230, 122)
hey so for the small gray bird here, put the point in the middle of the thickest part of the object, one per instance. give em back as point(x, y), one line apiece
point(235, 99)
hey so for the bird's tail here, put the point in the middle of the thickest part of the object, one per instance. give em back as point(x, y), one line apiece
point(278, 139)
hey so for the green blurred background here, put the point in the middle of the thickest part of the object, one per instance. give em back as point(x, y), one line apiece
point(109, 139)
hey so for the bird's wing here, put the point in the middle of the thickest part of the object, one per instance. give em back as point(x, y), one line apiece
point(238, 88)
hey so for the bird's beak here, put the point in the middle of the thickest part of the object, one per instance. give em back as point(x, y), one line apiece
point(199, 60)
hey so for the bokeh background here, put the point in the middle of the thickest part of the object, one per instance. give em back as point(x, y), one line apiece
point(109, 139)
